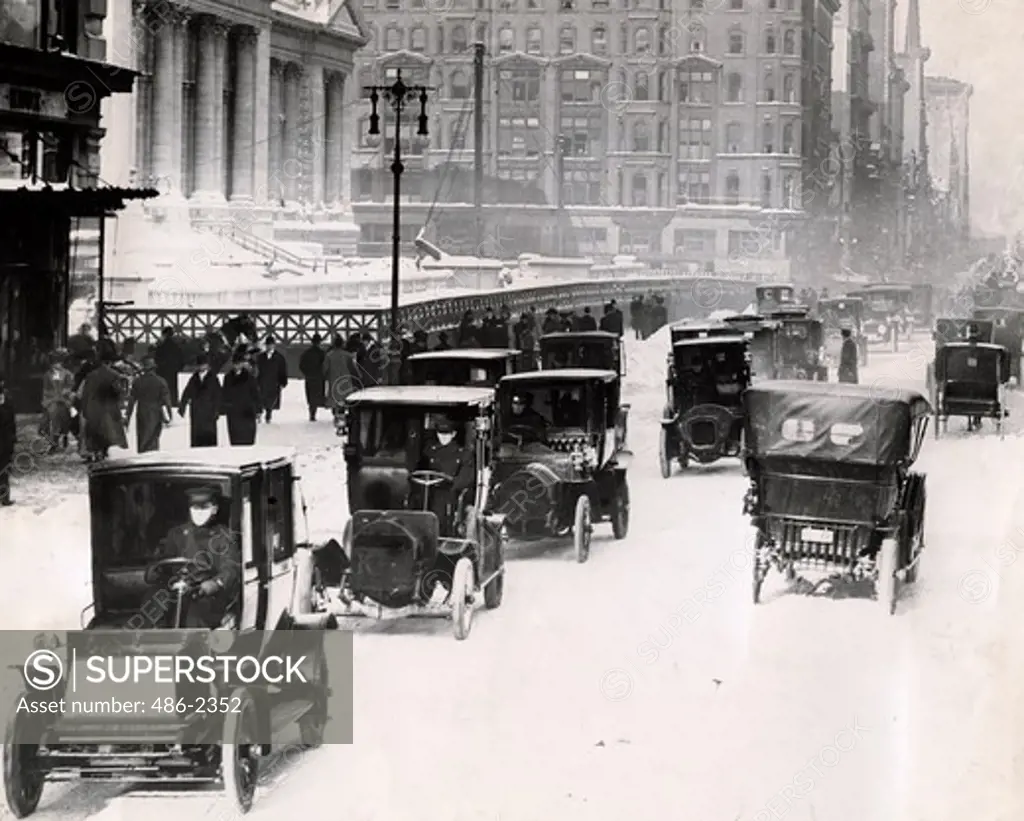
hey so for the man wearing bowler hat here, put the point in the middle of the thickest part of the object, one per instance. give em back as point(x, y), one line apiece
point(214, 559)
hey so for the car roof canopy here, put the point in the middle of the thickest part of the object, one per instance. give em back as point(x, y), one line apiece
point(710, 341)
point(220, 459)
point(427, 396)
point(466, 354)
point(856, 424)
point(585, 335)
point(557, 376)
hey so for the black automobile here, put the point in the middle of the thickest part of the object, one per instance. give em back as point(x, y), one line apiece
point(1007, 331)
point(473, 367)
point(596, 350)
point(970, 381)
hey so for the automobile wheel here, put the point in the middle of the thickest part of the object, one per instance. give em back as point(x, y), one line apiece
point(759, 570)
point(463, 583)
point(582, 529)
point(239, 754)
point(346, 539)
point(885, 586)
point(620, 516)
point(664, 454)
point(311, 725)
point(495, 591)
point(23, 778)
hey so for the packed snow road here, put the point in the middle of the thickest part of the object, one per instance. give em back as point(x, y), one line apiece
point(645, 684)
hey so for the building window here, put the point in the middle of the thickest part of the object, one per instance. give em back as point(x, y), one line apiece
point(663, 86)
point(533, 5)
point(732, 188)
point(695, 139)
point(747, 243)
point(392, 39)
point(584, 134)
point(773, 4)
point(663, 137)
point(695, 88)
point(624, 39)
point(440, 39)
point(519, 137)
point(697, 39)
point(695, 186)
point(460, 85)
point(788, 89)
point(788, 190)
point(768, 137)
point(567, 40)
point(418, 40)
point(639, 191)
point(789, 42)
point(370, 4)
point(642, 86)
point(393, 5)
point(581, 187)
point(481, 32)
point(696, 4)
point(790, 5)
point(599, 5)
point(534, 41)
point(506, 40)
point(769, 86)
point(599, 41)
point(734, 88)
point(521, 86)
point(693, 242)
point(734, 138)
point(788, 146)
point(735, 5)
point(663, 41)
point(641, 137)
point(642, 41)
point(766, 191)
point(507, 6)
point(580, 87)
point(770, 43)
point(736, 41)
point(459, 39)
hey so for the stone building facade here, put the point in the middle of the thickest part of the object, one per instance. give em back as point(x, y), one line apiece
point(948, 104)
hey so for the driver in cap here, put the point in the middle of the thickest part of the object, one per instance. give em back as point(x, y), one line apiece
point(447, 456)
point(523, 412)
point(213, 564)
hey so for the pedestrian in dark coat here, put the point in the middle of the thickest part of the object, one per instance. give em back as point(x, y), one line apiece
point(102, 395)
point(442, 342)
point(612, 319)
point(8, 437)
point(311, 366)
point(240, 402)
point(587, 321)
point(526, 341)
point(81, 346)
point(272, 373)
point(201, 398)
point(170, 361)
point(848, 359)
point(468, 335)
point(372, 360)
point(552, 322)
point(152, 396)
point(342, 373)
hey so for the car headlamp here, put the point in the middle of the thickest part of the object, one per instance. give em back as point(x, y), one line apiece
point(589, 456)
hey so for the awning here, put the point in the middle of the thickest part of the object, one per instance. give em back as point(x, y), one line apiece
point(74, 202)
point(55, 70)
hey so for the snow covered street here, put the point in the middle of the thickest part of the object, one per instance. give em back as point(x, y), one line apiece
point(645, 684)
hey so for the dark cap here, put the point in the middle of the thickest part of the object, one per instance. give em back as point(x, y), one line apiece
point(202, 495)
point(316, 339)
point(444, 425)
point(270, 340)
point(148, 363)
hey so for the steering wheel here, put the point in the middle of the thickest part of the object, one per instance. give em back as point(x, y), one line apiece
point(163, 571)
point(523, 432)
point(429, 478)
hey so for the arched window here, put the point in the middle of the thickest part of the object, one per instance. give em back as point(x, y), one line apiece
point(599, 41)
point(770, 43)
point(642, 41)
point(460, 85)
point(734, 138)
point(459, 38)
point(567, 40)
point(698, 37)
point(641, 137)
point(736, 41)
point(788, 90)
point(732, 188)
point(788, 144)
point(506, 40)
point(789, 42)
point(639, 190)
point(642, 86)
point(768, 137)
point(769, 86)
point(418, 39)
point(534, 40)
point(734, 88)
point(393, 39)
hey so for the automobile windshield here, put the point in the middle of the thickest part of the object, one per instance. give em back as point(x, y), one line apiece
point(135, 519)
point(396, 432)
point(545, 409)
point(577, 354)
point(455, 372)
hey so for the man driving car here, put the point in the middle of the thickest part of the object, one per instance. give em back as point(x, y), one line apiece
point(213, 566)
point(523, 412)
point(445, 455)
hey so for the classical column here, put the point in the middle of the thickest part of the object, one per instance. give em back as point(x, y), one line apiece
point(245, 117)
point(208, 100)
point(347, 92)
point(182, 33)
point(315, 164)
point(291, 165)
point(165, 97)
point(335, 137)
point(261, 122)
point(220, 139)
point(275, 187)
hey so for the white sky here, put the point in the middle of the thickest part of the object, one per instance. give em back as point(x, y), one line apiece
point(981, 42)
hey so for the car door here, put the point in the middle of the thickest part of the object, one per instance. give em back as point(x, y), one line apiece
point(249, 521)
point(280, 544)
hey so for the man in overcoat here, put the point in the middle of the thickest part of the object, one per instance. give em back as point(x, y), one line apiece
point(311, 366)
point(272, 372)
point(170, 361)
point(240, 401)
point(102, 392)
point(201, 398)
point(8, 437)
point(151, 395)
point(848, 359)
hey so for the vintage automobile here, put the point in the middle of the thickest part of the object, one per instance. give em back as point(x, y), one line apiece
point(787, 345)
point(414, 532)
point(561, 462)
point(596, 350)
point(1008, 325)
point(472, 367)
point(703, 418)
point(772, 297)
point(950, 329)
point(140, 512)
point(844, 312)
point(831, 488)
point(885, 305)
point(970, 381)
point(697, 329)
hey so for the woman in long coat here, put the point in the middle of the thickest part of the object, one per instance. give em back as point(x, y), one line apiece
point(272, 373)
point(150, 402)
point(102, 395)
point(241, 401)
point(311, 366)
point(202, 396)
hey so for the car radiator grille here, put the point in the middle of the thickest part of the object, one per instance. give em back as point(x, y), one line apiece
point(847, 543)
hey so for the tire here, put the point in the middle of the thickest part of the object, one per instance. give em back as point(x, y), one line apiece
point(620, 515)
point(664, 459)
point(346, 539)
point(463, 587)
point(312, 724)
point(239, 759)
point(495, 591)
point(582, 529)
point(885, 586)
point(917, 540)
point(23, 786)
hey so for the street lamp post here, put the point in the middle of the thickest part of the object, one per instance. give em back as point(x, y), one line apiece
point(398, 94)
